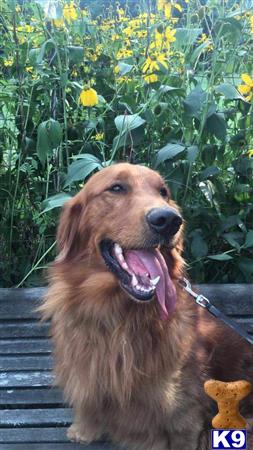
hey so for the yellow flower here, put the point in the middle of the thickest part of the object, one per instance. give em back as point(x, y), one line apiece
point(128, 31)
point(170, 34)
point(25, 28)
point(69, 12)
point(123, 79)
point(29, 69)
point(250, 153)
point(247, 88)
point(88, 97)
point(150, 65)
point(8, 62)
point(116, 69)
point(124, 53)
point(141, 34)
point(151, 78)
point(202, 38)
point(251, 24)
point(115, 37)
point(99, 136)
point(161, 4)
point(167, 11)
point(178, 7)
point(161, 58)
point(58, 23)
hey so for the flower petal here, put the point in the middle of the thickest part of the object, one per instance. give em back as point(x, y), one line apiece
point(247, 79)
point(244, 89)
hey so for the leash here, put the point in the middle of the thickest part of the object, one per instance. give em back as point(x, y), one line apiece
point(202, 301)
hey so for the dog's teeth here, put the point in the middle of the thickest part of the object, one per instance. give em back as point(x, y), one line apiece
point(118, 249)
point(155, 281)
point(134, 281)
point(138, 287)
point(124, 265)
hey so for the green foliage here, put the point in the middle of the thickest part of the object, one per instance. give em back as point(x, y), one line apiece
point(172, 91)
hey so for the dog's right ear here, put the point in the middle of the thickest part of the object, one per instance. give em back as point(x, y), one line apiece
point(68, 234)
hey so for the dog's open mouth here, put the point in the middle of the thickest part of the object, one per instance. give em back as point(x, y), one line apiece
point(142, 273)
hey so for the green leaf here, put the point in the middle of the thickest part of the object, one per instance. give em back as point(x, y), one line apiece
point(249, 239)
point(164, 88)
point(197, 52)
point(124, 68)
point(168, 152)
point(192, 153)
point(49, 137)
point(208, 154)
point(49, 43)
point(81, 168)
point(244, 166)
point(125, 123)
point(217, 126)
point(233, 238)
point(194, 102)
point(246, 267)
point(229, 91)
point(199, 248)
point(76, 54)
point(220, 257)
point(186, 36)
point(56, 201)
point(209, 172)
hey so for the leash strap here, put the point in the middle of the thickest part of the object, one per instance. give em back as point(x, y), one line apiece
point(202, 301)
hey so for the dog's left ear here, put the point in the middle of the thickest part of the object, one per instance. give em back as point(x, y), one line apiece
point(68, 235)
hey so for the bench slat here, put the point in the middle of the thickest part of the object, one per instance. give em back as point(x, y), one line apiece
point(24, 330)
point(35, 417)
point(32, 397)
point(231, 298)
point(8, 363)
point(25, 379)
point(61, 446)
point(24, 346)
point(9, 435)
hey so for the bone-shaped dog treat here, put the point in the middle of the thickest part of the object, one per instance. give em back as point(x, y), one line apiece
point(227, 396)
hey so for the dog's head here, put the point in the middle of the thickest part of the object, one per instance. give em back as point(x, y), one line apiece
point(121, 222)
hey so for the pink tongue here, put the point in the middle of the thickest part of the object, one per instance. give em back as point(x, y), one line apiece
point(152, 261)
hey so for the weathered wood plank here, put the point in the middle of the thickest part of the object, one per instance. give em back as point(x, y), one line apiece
point(246, 322)
point(35, 417)
point(231, 298)
point(15, 435)
point(25, 346)
point(25, 379)
point(32, 397)
point(10, 363)
point(61, 446)
point(24, 330)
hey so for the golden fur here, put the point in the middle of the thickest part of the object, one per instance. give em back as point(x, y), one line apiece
point(129, 375)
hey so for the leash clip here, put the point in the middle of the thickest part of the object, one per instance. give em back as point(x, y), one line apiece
point(200, 299)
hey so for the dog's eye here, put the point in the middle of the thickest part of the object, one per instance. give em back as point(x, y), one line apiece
point(117, 188)
point(164, 192)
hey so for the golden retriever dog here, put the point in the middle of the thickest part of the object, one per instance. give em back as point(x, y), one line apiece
point(132, 350)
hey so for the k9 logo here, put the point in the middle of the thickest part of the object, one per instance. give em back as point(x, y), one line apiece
point(229, 439)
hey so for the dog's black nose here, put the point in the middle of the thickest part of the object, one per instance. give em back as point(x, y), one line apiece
point(164, 220)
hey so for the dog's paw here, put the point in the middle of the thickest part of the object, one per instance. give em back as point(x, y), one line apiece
point(74, 434)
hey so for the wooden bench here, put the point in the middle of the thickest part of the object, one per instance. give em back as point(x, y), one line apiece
point(32, 413)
